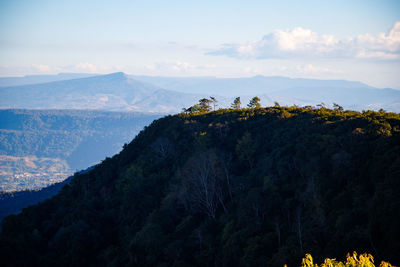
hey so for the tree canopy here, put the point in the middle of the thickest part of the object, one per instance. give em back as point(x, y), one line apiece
point(236, 103)
point(254, 102)
point(246, 187)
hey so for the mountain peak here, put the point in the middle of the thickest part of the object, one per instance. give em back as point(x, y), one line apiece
point(116, 75)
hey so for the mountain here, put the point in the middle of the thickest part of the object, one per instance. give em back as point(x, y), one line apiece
point(34, 79)
point(287, 91)
point(357, 98)
point(248, 187)
point(40, 147)
point(242, 86)
point(121, 92)
point(115, 92)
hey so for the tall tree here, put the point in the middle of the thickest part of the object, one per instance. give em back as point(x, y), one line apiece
point(236, 103)
point(254, 102)
point(205, 104)
point(214, 102)
point(202, 183)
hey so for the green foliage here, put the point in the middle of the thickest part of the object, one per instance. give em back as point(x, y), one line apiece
point(254, 102)
point(248, 187)
point(236, 103)
point(203, 106)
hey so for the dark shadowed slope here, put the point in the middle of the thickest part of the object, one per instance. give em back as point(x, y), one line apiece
point(254, 187)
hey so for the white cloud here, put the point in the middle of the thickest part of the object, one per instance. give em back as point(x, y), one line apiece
point(85, 66)
point(177, 67)
point(253, 71)
point(312, 69)
point(82, 67)
point(42, 68)
point(300, 42)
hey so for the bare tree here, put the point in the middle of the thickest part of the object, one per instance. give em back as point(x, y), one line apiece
point(298, 226)
point(202, 183)
point(162, 147)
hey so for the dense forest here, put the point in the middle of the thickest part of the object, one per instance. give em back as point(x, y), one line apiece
point(231, 187)
point(14, 202)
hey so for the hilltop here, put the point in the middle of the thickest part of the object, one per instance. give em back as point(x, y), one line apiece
point(246, 187)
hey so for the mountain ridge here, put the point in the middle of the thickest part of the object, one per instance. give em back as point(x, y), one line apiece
point(244, 187)
point(122, 92)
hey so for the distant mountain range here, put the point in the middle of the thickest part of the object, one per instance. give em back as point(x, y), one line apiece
point(34, 79)
point(114, 92)
point(122, 92)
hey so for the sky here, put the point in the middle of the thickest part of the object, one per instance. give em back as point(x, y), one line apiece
point(355, 40)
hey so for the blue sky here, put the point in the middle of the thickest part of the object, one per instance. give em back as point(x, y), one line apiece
point(353, 40)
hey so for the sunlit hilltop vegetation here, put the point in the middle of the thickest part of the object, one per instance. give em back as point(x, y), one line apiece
point(363, 260)
point(226, 187)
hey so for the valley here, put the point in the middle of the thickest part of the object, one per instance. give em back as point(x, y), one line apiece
point(41, 147)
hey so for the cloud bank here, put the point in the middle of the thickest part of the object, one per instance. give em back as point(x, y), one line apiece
point(300, 42)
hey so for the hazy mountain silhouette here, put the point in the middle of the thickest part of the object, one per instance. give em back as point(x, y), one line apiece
point(34, 79)
point(122, 92)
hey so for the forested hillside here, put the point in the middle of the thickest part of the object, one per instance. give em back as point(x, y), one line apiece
point(14, 202)
point(234, 187)
point(40, 147)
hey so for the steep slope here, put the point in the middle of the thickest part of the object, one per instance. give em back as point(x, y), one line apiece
point(227, 188)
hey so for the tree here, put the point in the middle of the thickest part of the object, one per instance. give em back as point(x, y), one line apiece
point(254, 102)
point(337, 107)
point(162, 147)
point(236, 103)
point(245, 148)
point(214, 101)
point(202, 182)
point(205, 105)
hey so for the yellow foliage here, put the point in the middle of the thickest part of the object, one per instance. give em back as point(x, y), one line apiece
point(385, 264)
point(308, 261)
point(363, 260)
point(332, 263)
